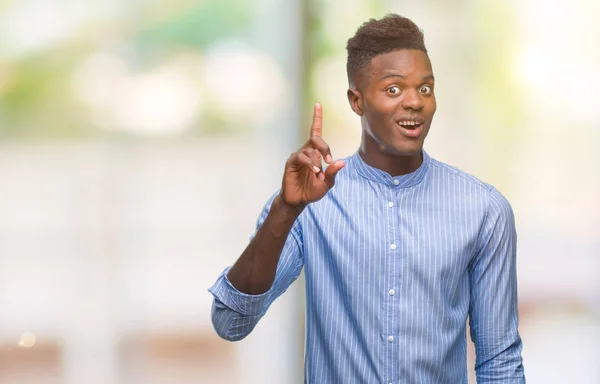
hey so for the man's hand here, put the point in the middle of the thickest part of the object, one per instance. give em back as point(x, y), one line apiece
point(304, 181)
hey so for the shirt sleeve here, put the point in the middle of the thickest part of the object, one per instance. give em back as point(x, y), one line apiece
point(234, 313)
point(493, 316)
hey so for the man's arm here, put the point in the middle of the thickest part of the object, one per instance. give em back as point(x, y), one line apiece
point(493, 313)
point(272, 260)
point(269, 265)
point(254, 272)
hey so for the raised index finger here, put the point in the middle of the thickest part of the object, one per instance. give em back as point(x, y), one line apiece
point(316, 129)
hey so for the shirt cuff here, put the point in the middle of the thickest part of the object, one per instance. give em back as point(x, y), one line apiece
point(242, 303)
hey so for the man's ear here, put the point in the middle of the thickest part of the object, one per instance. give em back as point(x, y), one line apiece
point(355, 100)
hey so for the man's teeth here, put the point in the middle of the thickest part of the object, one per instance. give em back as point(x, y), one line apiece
point(409, 123)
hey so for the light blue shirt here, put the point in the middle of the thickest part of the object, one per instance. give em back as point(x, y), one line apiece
point(394, 266)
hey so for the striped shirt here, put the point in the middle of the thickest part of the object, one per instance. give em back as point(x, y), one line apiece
point(394, 266)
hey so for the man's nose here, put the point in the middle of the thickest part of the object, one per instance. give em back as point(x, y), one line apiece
point(412, 100)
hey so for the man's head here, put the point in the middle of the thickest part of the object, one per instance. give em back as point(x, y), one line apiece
point(391, 84)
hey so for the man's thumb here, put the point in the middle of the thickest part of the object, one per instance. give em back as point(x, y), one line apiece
point(332, 170)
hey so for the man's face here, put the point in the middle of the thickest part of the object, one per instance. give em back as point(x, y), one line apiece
point(394, 97)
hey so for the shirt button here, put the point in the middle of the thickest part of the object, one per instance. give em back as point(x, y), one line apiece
point(390, 204)
point(392, 292)
point(391, 339)
point(393, 247)
point(396, 182)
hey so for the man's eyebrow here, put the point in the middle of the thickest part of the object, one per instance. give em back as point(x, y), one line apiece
point(426, 77)
point(392, 75)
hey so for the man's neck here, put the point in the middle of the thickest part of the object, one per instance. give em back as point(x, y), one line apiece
point(394, 165)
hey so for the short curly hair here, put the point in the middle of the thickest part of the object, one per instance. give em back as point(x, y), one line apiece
point(376, 37)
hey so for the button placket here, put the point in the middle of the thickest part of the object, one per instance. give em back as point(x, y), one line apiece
point(390, 303)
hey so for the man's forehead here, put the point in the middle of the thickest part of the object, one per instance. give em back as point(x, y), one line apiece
point(401, 69)
point(407, 60)
point(411, 63)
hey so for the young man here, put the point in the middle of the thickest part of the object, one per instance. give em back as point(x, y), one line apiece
point(398, 254)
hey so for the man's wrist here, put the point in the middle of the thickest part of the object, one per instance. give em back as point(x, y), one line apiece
point(289, 210)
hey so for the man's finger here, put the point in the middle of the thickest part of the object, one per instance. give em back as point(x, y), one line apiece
point(316, 129)
point(320, 145)
point(314, 156)
point(305, 160)
point(332, 171)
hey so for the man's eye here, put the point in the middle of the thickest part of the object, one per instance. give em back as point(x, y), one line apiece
point(426, 89)
point(394, 90)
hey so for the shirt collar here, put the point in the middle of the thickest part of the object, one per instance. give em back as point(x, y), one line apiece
point(402, 181)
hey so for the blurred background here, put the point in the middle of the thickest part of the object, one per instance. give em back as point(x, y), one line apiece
point(139, 140)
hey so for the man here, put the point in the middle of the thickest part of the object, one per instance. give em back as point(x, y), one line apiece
point(398, 253)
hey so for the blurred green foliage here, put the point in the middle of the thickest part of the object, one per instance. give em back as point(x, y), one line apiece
point(199, 26)
point(37, 100)
point(500, 110)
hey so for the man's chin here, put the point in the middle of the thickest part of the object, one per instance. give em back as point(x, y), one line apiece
point(402, 149)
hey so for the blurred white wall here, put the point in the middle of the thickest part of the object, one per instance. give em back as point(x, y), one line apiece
point(101, 243)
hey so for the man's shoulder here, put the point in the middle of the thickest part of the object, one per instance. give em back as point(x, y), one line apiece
point(453, 173)
point(486, 190)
